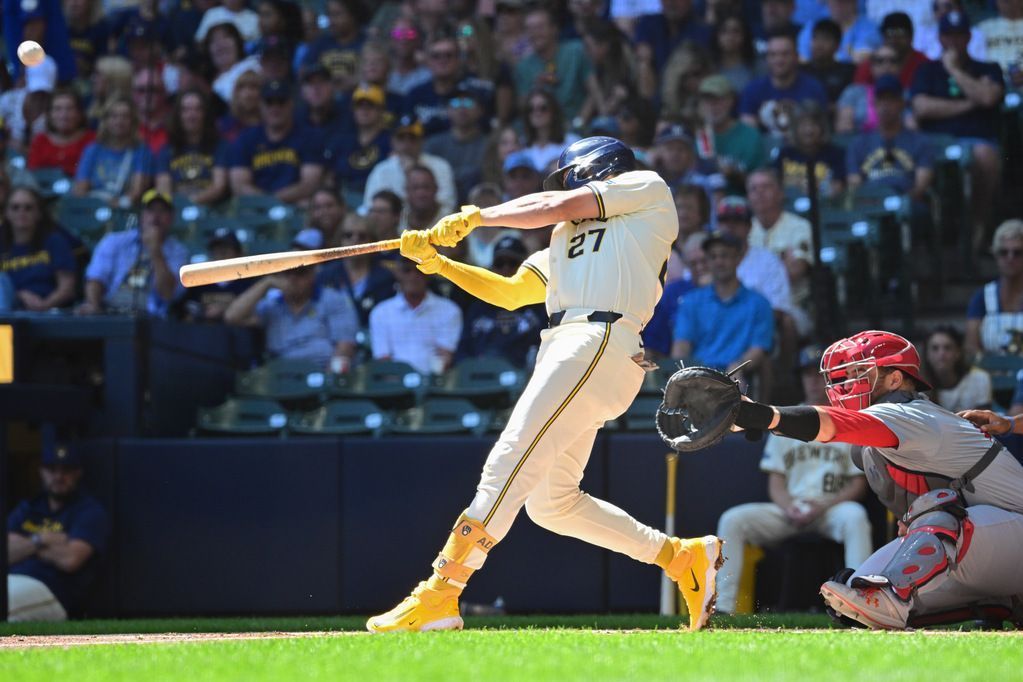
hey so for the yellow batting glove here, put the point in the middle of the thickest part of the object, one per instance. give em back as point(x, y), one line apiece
point(416, 246)
point(452, 229)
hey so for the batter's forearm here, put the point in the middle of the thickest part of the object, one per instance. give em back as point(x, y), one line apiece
point(523, 288)
point(542, 209)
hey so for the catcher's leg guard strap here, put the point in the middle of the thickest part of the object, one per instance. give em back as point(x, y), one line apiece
point(467, 535)
point(921, 557)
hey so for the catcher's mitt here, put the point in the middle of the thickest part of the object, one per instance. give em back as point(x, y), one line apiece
point(699, 406)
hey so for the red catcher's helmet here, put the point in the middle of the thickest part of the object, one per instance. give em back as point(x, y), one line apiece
point(846, 366)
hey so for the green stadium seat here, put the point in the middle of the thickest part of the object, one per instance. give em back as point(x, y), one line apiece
point(286, 380)
point(88, 217)
point(641, 413)
point(244, 416)
point(52, 182)
point(1004, 370)
point(341, 418)
point(487, 382)
point(390, 384)
point(437, 416)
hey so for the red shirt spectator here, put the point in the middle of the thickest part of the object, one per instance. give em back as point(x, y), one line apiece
point(66, 135)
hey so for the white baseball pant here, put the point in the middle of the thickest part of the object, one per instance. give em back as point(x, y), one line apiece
point(30, 599)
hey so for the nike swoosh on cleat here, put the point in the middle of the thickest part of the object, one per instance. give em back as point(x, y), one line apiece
point(696, 583)
point(413, 622)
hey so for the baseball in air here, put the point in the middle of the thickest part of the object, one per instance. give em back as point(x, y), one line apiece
point(31, 53)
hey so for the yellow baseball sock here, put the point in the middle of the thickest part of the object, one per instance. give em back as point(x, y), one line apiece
point(666, 554)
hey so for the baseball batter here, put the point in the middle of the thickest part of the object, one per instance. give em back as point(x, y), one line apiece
point(959, 494)
point(600, 278)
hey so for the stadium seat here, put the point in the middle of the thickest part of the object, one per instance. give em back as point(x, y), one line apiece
point(487, 382)
point(52, 182)
point(390, 384)
point(341, 418)
point(244, 416)
point(88, 217)
point(1004, 370)
point(440, 416)
point(288, 381)
point(641, 413)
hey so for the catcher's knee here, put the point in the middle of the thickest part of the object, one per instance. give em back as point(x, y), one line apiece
point(466, 538)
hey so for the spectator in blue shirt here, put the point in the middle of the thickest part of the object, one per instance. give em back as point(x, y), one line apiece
point(37, 258)
point(723, 324)
point(115, 167)
point(429, 101)
point(137, 269)
point(276, 158)
point(318, 112)
point(657, 35)
point(769, 102)
point(194, 162)
point(54, 542)
point(338, 48)
point(352, 155)
point(957, 95)
point(859, 34)
point(302, 319)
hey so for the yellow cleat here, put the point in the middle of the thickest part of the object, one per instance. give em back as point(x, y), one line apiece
point(424, 609)
point(695, 568)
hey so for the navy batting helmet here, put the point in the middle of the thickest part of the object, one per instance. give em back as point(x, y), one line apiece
point(592, 158)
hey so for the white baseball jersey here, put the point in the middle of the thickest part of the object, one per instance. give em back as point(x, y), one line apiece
point(813, 471)
point(618, 261)
point(932, 439)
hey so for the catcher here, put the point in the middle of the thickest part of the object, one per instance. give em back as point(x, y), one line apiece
point(600, 279)
point(958, 493)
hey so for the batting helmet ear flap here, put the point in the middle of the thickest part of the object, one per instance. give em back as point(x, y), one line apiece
point(555, 181)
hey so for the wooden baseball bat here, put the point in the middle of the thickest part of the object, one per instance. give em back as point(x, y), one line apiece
point(198, 274)
point(669, 592)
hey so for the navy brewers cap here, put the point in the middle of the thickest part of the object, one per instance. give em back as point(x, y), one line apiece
point(510, 246)
point(275, 90)
point(954, 22)
point(719, 237)
point(674, 132)
point(888, 84)
point(60, 454)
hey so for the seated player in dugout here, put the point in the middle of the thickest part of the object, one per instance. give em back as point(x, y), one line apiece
point(54, 541)
point(957, 493)
point(600, 279)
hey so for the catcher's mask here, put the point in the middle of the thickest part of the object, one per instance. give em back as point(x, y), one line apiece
point(589, 159)
point(847, 364)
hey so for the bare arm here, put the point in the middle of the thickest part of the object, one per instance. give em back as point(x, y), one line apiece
point(64, 292)
point(681, 350)
point(67, 555)
point(94, 292)
point(80, 188)
point(542, 209)
point(19, 548)
point(928, 106)
point(164, 184)
point(921, 183)
point(983, 91)
point(242, 309)
point(241, 182)
point(309, 179)
point(778, 490)
point(217, 189)
point(854, 489)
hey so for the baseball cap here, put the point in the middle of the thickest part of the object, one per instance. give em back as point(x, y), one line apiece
point(309, 238)
point(139, 29)
point(716, 86)
point(155, 195)
point(888, 84)
point(519, 159)
point(896, 21)
point(275, 90)
point(719, 237)
point(733, 207)
point(369, 93)
point(311, 70)
point(60, 454)
point(409, 123)
point(605, 125)
point(224, 236)
point(810, 356)
point(674, 132)
point(510, 246)
point(954, 22)
point(42, 77)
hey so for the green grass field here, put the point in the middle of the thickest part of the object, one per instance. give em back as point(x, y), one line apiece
point(513, 648)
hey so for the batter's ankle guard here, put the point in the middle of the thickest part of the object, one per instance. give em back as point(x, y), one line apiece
point(467, 535)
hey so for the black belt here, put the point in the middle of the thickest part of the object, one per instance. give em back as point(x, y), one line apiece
point(595, 316)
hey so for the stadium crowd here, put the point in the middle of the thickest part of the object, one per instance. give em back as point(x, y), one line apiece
point(364, 119)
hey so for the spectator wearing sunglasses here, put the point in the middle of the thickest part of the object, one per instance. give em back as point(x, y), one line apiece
point(464, 144)
point(406, 71)
point(364, 279)
point(896, 33)
point(996, 309)
point(449, 76)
